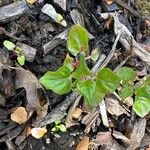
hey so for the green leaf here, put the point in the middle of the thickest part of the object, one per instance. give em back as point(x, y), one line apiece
point(126, 74)
point(21, 60)
point(54, 129)
point(141, 107)
point(87, 89)
point(58, 121)
point(62, 128)
point(98, 95)
point(147, 81)
point(82, 70)
point(68, 62)
point(142, 101)
point(78, 40)
point(95, 55)
point(126, 91)
point(9, 45)
point(58, 81)
point(107, 81)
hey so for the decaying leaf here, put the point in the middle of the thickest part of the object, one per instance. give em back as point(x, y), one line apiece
point(19, 115)
point(106, 140)
point(113, 106)
point(83, 144)
point(120, 136)
point(7, 87)
point(77, 17)
point(137, 134)
point(36, 99)
point(103, 138)
point(38, 132)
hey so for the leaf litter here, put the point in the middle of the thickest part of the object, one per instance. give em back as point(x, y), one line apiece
point(21, 91)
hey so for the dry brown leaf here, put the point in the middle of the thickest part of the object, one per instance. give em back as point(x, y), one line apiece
point(19, 115)
point(103, 138)
point(148, 148)
point(113, 106)
point(77, 113)
point(120, 136)
point(38, 132)
point(109, 1)
point(36, 99)
point(137, 133)
point(83, 144)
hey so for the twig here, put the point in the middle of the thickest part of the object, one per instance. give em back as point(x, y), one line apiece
point(126, 36)
point(69, 121)
point(122, 63)
point(99, 62)
point(2, 30)
point(103, 113)
point(111, 54)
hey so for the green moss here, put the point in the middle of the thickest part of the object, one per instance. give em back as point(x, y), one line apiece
point(143, 7)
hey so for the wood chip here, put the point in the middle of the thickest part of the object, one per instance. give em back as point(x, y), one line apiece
point(28, 51)
point(77, 113)
point(83, 144)
point(13, 11)
point(38, 132)
point(19, 115)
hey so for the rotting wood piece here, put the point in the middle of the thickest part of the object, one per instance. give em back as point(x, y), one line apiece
point(13, 11)
point(28, 51)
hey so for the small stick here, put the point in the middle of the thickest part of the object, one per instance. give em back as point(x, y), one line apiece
point(2, 30)
point(122, 63)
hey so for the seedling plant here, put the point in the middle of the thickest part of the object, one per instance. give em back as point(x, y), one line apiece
point(75, 75)
point(16, 50)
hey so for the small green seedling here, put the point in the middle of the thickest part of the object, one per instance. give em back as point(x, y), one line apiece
point(76, 75)
point(58, 127)
point(12, 47)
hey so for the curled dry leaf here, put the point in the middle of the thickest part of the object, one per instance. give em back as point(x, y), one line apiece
point(38, 132)
point(19, 115)
point(36, 99)
point(83, 144)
